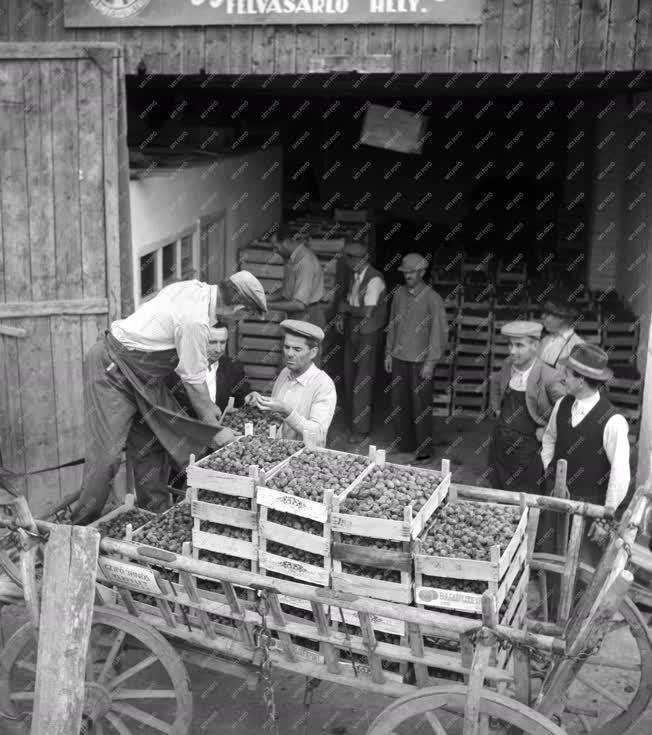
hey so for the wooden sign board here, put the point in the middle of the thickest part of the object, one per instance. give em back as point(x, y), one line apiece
point(123, 574)
point(170, 13)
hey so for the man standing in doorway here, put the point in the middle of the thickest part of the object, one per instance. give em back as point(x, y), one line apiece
point(126, 370)
point(303, 394)
point(522, 395)
point(417, 334)
point(588, 432)
point(362, 314)
point(558, 316)
point(303, 282)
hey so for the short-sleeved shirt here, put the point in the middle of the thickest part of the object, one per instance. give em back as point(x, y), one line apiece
point(178, 317)
point(303, 277)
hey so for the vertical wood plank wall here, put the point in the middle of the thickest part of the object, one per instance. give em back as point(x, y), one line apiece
point(517, 36)
point(57, 225)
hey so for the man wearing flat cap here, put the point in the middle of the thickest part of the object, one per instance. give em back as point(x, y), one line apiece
point(125, 375)
point(591, 435)
point(558, 316)
point(362, 314)
point(522, 395)
point(303, 394)
point(417, 334)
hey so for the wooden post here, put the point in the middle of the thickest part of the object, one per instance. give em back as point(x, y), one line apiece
point(67, 594)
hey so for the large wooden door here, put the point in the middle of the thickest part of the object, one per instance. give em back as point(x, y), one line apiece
point(62, 170)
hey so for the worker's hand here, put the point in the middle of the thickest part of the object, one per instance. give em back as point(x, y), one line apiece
point(388, 363)
point(539, 433)
point(273, 404)
point(251, 399)
point(218, 412)
point(339, 323)
point(599, 533)
point(224, 436)
point(427, 371)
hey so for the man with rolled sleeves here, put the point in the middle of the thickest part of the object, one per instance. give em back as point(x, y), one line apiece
point(303, 394)
point(362, 313)
point(522, 395)
point(587, 431)
point(417, 334)
point(303, 282)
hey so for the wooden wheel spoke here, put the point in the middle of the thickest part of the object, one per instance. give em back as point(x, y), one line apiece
point(113, 652)
point(607, 663)
point(602, 691)
point(435, 724)
point(128, 710)
point(117, 724)
point(132, 670)
point(120, 694)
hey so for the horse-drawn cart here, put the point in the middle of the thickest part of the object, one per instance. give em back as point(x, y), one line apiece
point(513, 668)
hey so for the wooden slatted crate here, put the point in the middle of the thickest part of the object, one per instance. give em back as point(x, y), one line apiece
point(280, 513)
point(373, 549)
point(589, 329)
point(620, 340)
point(132, 517)
point(497, 574)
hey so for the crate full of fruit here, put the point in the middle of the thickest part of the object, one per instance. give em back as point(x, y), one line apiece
point(121, 522)
point(294, 506)
point(237, 419)
point(470, 547)
point(374, 524)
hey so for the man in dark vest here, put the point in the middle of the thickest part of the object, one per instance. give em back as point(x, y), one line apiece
point(589, 433)
point(362, 313)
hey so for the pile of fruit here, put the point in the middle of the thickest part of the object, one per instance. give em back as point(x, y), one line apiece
point(117, 526)
point(225, 560)
point(290, 552)
point(237, 457)
point(247, 414)
point(312, 472)
point(470, 586)
point(242, 534)
point(230, 501)
point(387, 490)
point(467, 530)
point(168, 531)
point(385, 575)
point(307, 525)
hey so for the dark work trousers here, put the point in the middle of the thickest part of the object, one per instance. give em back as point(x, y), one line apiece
point(151, 466)
point(411, 407)
point(360, 363)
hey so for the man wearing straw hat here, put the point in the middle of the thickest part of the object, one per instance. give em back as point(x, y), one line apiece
point(587, 431)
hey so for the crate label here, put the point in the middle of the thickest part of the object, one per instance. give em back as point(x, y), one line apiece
point(139, 578)
point(448, 598)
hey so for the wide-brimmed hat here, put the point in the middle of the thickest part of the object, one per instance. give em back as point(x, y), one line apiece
point(413, 262)
point(590, 361)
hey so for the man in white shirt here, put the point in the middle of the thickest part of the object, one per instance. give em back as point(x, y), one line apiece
point(125, 373)
point(303, 394)
point(522, 395)
point(362, 314)
point(588, 432)
point(558, 316)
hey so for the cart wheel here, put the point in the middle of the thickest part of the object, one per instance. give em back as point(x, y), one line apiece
point(135, 680)
point(609, 698)
point(441, 709)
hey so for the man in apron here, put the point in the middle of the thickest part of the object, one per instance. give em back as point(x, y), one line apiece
point(558, 317)
point(125, 372)
point(303, 282)
point(522, 395)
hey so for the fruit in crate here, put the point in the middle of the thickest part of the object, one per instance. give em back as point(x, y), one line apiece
point(467, 529)
point(237, 457)
point(248, 414)
point(297, 522)
point(230, 501)
point(387, 490)
point(384, 575)
point(225, 560)
point(242, 534)
point(168, 531)
point(294, 554)
point(117, 526)
point(312, 472)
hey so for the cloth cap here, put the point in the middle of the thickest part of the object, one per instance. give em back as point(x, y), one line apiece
point(590, 361)
point(303, 329)
point(251, 289)
point(356, 249)
point(522, 329)
point(413, 262)
point(559, 305)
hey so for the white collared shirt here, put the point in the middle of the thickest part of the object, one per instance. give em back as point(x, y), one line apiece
point(372, 293)
point(178, 317)
point(312, 397)
point(555, 347)
point(615, 442)
point(518, 379)
point(211, 380)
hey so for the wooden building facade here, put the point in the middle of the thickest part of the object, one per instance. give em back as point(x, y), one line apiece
point(515, 37)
